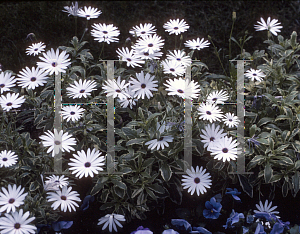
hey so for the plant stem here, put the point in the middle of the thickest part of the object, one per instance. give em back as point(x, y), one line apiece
point(209, 38)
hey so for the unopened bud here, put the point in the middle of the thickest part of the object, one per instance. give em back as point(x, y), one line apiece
point(233, 16)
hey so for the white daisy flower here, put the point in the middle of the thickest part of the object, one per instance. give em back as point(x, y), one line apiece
point(36, 48)
point(130, 100)
point(163, 140)
point(116, 88)
point(143, 85)
point(174, 26)
point(111, 220)
point(183, 88)
point(271, 26)
point(225, 149)
point(85, 164)
point(217, 97)
point(7, 158)
point(89, 13)
point(64, 198)
point(173, 67)
point(196, 44)
point(17, 223)
point(81, 89)
point(211, 134)
point(255, 74)
point(32, 78)
point(266, 208)
point(58, 141)
point(72, 10)
point(54, 62)
point(149, 44)
point(72, 113)
point(231, 120)
point(11, 198)
point(11, 100)
point(6, 81)
point(146, 55)
point(142, 30)
point(196, 180)
point(130, 57)
point(105, 33)
point(60, 181)
point(179, 56)
point(209, 111)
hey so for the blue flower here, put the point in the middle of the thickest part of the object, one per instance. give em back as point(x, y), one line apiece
point(213, 209)
point(181, 224)
point(268, 216)
point(86, 202)
point(259, 229)
point(234, 193)
point(250, 218)
point(201, 230)
point(142, 230)
point(245, 230)
point(57, 226)
point(170, 231)
point(234, 218)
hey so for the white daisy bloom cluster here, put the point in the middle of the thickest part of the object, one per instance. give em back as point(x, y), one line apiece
point(162, 142)
point(215, 140)
point(112, 221)
point(129, 92)
point(14, 221)
point(255, 75)
point(271, 26)
point(176, 26)
point(105, 33)
point(87, 12)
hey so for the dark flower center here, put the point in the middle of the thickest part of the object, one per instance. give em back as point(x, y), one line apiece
point(212, 211)
point(4, 159)
point(72, 113)
point(57, 142)
point(88, 16)
point(17, 225)
point(54, 64)
point(230, 120)
point(82, 91)
point(105, 32)
point(63, 198)
point(178, 59)
point(33, 79)
point(2, 85)
point(143, 86)
point(208, 112)
point(197, 180)
point(172, 69)
point(11, 200)
point(87, 164)
point(150, 45)
point(118, 91)
point(9, 104)
point(176, 28)
point(214, 99)
point(146, 54)
point(254, 74)
point(225, 150)
point(180, 91)
point(160, 139)
point(129, 59)
point(143, 32)
point(212, 139)
point(36, 49)
point(197, 46)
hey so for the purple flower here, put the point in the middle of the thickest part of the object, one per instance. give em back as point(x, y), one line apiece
point(234, 218)
point(259, 229)
point(142, 230)
point(181, 224)
point(201, 230)
point(234, 193)
point(212, 210)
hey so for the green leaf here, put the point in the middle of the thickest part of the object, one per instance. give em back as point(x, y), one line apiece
point(166, 172)
point(135, 141)
point(34, 186)
point(152, 116)
point(119, 184)
point(120, 192)
point(296, 145)
point(245, 184)
point(130, 133)
point(107, 205)
point(268, 173)
point(285, 188)
point(151, 194)
point(294, 133)
point(136, 192)
point(295, 229)
point(99, 185)
point(264, 120)
point(275, 178)
point(157, 188)
point(148, 162)
point(256, 160)
point(296, 181)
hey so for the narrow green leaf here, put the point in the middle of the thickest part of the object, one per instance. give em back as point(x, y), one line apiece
point(268, 173)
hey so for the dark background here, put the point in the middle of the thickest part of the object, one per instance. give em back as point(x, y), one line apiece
point(53, 27)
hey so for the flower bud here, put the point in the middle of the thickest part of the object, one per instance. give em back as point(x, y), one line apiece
point(233, 15)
